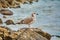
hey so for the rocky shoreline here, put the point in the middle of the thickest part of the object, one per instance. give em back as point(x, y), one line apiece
point(22, 34)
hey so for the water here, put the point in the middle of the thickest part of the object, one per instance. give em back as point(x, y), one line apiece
point(48, 19)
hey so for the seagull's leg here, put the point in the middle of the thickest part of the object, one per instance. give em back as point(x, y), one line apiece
point(29, 25)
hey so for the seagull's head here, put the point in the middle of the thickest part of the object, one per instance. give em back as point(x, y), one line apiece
point(34, 14)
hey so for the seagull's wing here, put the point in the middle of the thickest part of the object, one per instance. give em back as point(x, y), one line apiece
point(27, 20)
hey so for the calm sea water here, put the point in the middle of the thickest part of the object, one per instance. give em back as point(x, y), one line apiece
point(48, 19)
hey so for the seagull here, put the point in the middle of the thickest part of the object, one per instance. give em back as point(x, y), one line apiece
point(28, 20)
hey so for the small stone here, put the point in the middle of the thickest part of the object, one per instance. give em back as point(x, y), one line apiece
point(9, 22)
point(4, 16)
point(6, 12)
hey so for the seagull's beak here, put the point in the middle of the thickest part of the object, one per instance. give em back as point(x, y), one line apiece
point(37, 14)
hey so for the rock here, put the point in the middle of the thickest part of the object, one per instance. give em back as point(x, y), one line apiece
point(7, 38)
point(36, 31)
point(26, 1)
point(7, 3)
point(23, 34)
point(1, 21)
point(21, 1)
point(6, 12)
point(28, 34)
point(13, 3)
point(36, 0)
point(4, 31)
point(4, 17)
point(0, 38)
point(9, 22)
point(3, 4)
point(44, 34)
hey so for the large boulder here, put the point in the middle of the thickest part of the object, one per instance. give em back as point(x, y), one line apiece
point(35, 33)
point(23, 34)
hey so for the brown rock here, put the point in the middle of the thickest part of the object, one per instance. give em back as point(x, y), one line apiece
point(6, 12)
point(0, 5)
point(23, 34)
point(44, 34)
point(7, 38)
point(3, 3)
point(26, 1)
point(13, 3)
point(7, 3)
point(4, 16)
point(9, 22)
point(38, 32)
point(4, 31)
point(0, 38)
point(1, 21)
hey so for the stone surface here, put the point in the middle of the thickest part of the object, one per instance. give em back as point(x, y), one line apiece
point(9, 22)
point(13, 3)
point(23, 34)
point(6, 12)
point(8, 3)
point(1, 21)
point(4, 17)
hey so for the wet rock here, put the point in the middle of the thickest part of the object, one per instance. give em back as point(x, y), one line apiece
point(6, 12)
point(1, 21)
point(9, 22)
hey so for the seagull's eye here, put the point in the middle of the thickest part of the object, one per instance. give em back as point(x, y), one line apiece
point(34, 13)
